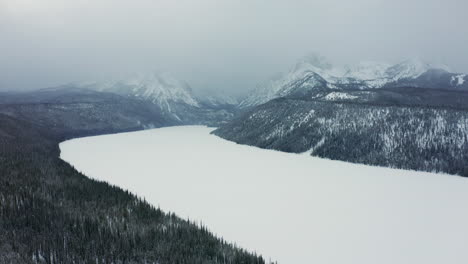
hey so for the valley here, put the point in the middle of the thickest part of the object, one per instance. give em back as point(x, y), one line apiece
point(233, 132)
point(291, 208)
point(279, 202)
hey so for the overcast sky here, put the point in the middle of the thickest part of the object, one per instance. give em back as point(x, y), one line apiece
point(225, 44)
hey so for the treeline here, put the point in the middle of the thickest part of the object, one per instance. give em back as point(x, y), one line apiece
point(50, 213)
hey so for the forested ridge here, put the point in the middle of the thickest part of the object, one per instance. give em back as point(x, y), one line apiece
point(410, 128)
point(50, 213)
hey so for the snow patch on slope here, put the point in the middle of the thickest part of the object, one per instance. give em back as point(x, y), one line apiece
point(458, 79)
point(333, 96)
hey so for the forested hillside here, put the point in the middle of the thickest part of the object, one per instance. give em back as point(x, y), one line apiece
point(419, 129)
point(50, 213)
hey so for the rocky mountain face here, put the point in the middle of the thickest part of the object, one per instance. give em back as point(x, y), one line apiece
point(314, 74)
point(411, 115)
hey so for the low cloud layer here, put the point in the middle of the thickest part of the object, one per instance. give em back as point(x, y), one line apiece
point(213, 44)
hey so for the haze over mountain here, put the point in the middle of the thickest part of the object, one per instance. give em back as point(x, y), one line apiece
point(228, 45)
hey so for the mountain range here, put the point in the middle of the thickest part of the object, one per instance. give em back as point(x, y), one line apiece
point(411, 115)
point(313, 76)
point(174, 97)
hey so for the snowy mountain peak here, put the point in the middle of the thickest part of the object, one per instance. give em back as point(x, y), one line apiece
point(364, 75)
point(408, 69)
point(171, 96)
point(159, 87)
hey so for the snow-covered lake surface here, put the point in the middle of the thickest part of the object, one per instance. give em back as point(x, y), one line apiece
point(291, 208)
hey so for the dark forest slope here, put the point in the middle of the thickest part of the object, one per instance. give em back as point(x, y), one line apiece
point(50, 213)
point(411, 128)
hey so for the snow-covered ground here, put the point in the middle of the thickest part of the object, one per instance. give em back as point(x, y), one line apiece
point(292, 208)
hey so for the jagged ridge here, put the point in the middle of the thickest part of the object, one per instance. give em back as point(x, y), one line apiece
point(365, 75)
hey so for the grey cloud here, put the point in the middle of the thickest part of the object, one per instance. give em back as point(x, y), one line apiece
point(217, 44)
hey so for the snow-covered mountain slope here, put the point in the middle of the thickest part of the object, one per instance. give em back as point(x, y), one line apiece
point(160, 88)
point(313, 74)
point(173, 96)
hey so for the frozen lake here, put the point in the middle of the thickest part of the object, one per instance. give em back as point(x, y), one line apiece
point(291, 208)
